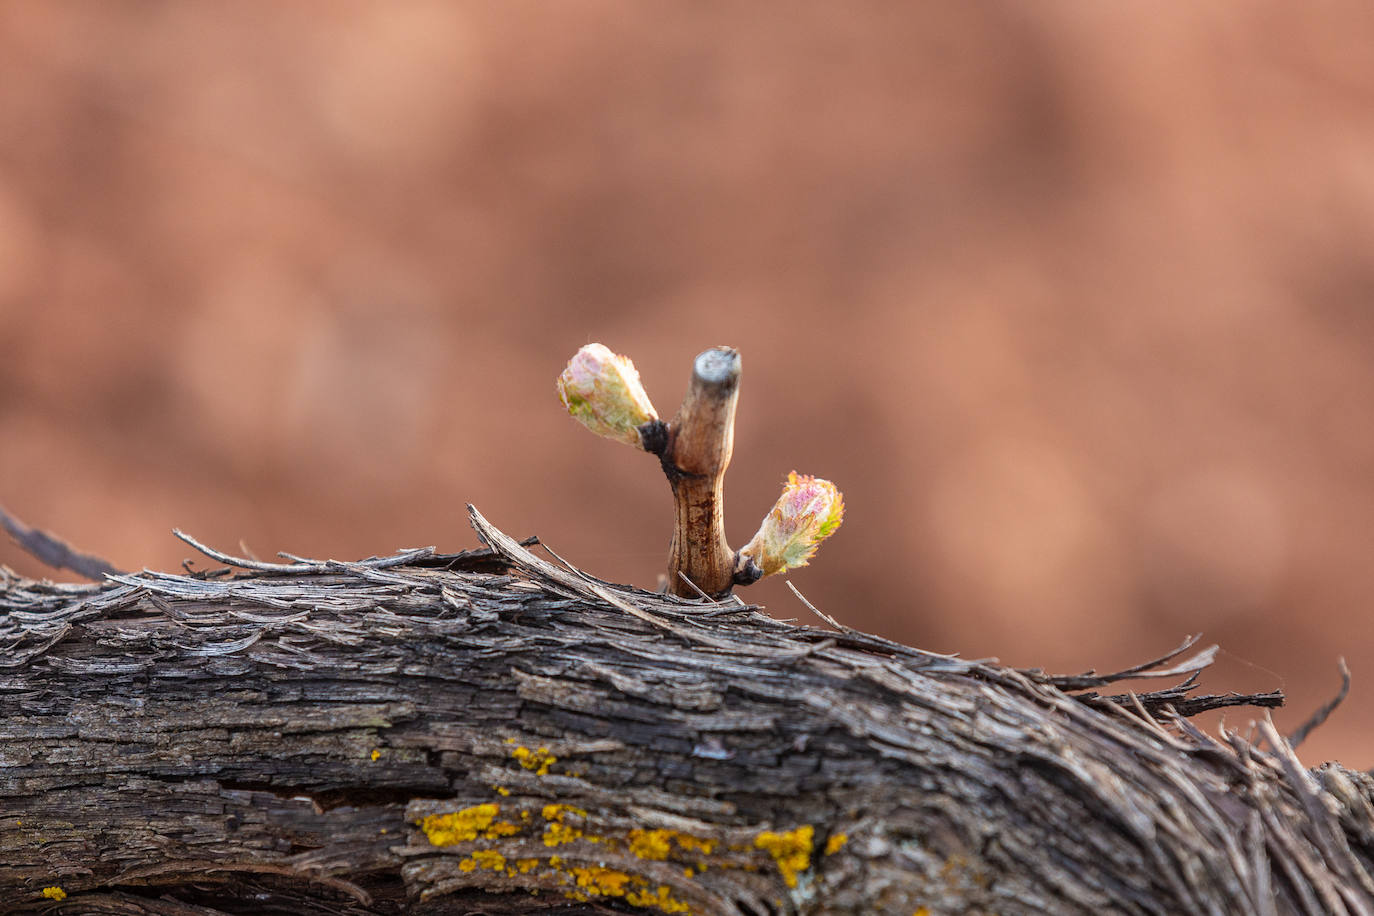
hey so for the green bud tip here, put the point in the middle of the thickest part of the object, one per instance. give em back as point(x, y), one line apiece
point(808, 512)
point(602, 391)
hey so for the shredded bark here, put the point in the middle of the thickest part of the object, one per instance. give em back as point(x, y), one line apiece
point(493, 732)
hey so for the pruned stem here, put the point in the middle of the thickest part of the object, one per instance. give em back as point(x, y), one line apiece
point(695, 451)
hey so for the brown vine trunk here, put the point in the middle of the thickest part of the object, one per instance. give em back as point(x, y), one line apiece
point(491, 733)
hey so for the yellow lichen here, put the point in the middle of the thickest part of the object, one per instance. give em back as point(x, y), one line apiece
point(662, 898)
point(835, 843)
point(459, 826)
point(556, 834)
point(376, 753)
point(657, 844)
point(584, 882)
point(691, 843)
point(54, 893)
point(500, 829)
point(651, 844)
point(502, 791)
point(597, 881)
point(489, 859)
point(556, 812)
point(604, 881)
point(791, 850)
point(923, 911)
point(537, 760)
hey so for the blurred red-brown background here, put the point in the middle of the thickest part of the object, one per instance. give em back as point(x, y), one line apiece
point(1074, 301)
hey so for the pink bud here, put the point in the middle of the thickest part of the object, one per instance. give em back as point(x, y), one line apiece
point(603, 392)
point(808, 512)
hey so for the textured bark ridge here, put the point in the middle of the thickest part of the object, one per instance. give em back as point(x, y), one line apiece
point(491, 732)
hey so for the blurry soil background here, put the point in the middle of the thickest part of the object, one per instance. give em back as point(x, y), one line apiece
point(1074, 301)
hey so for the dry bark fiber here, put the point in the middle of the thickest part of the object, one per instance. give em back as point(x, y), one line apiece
point(491, 732)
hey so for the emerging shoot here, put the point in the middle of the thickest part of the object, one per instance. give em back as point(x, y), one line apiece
point(603, 392)
point(808, 512)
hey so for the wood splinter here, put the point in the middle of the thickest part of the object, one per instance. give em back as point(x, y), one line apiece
point(602, 391)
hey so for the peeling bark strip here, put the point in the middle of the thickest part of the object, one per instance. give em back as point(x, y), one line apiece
point(493, 733)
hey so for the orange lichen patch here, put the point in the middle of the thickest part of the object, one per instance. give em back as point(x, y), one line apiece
point(460, 826)
point(488, 859)
point(499, 829)
point(651, 844)
point(694, 844)
point(660, 898)
point(556, 812)
point(502, 791)
point(565, 824)
point(604, 881)
point(835, 843)
point(376, 753)
point(537, 760)
point(54, 893)
point(556, 834)
point(657, 844)
point(791, 850)
point(596, 881)
point(923, 911)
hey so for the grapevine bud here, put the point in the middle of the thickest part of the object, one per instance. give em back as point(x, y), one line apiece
point(602, 391)
point(808, 512)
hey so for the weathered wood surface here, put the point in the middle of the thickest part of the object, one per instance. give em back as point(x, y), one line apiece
point(493, 733)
